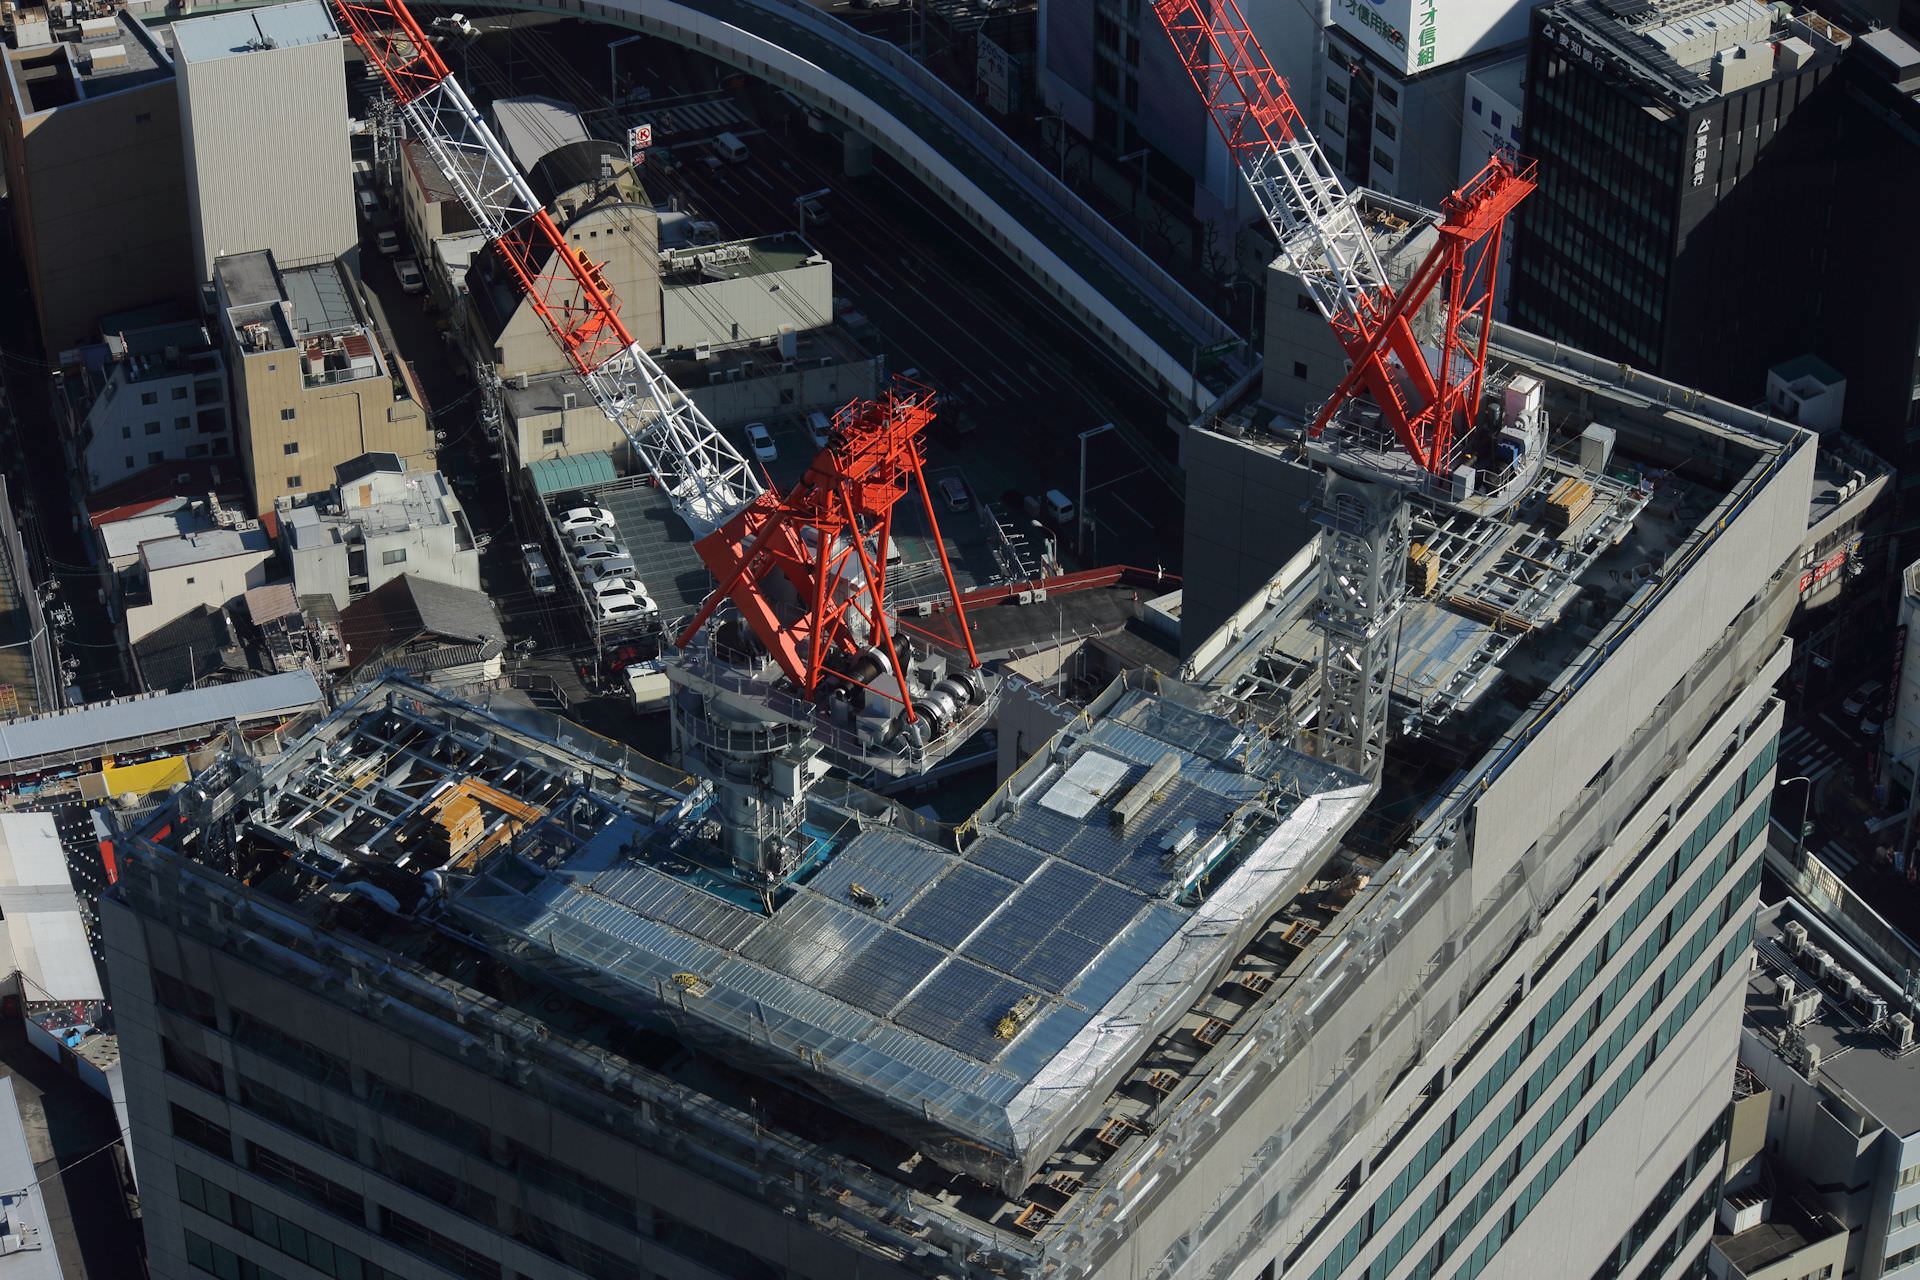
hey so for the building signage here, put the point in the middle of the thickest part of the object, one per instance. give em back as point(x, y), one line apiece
point(1576, 48)
point(1700, 138)
point(994, 73)
point(1819, 572)
point(639, 138)
point(1429, 33)
point(1366, 17)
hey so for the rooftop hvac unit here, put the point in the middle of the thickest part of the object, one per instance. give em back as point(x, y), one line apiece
point(1900, 1031)
point(703, 352)
point(520, 380)
point(1788, 989)
point(1795, 936)
point(1876, 1011)
point(1804, 1006)
point(1810, 1060)
point(1819, 963)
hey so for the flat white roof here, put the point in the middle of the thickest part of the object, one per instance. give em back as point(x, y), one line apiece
point(45, 939)
point(230, 35)
point(34, 1257)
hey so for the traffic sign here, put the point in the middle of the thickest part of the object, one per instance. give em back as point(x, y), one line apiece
point(639, 138)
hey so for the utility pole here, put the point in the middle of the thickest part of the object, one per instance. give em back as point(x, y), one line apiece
point(1080, 512)
point(1800, 832)
point(1140, 198)
point(613, 77)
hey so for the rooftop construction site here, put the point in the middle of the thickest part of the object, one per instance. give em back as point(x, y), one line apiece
point(1020, 1013)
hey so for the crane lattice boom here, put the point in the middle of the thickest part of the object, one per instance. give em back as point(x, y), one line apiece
point(1320, 228)
point(702, 473)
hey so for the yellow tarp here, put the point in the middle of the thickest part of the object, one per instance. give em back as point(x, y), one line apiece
point(138, 779)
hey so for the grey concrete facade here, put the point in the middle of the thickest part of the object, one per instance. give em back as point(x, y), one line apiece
point(289, 55)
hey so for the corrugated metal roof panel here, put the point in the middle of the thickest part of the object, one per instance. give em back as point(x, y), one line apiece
point(101, 723)
point(571, 471)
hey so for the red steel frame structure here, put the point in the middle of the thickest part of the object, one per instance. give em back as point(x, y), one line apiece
point(825, 537)
point(1321, 230)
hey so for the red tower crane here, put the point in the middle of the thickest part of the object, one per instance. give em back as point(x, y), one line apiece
point(808, 570)
point(1429, 398)
point(703, 475)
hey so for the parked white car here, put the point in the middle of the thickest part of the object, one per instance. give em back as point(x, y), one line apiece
point(621, 582)
point(586, 518)
point(623, 606)
point(601, 553)
point(411, 281)
point(618, 565)
point(762, 441)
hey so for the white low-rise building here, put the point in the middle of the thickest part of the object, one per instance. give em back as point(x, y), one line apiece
point(378, 521)
point(175, 575)
point(151, 391)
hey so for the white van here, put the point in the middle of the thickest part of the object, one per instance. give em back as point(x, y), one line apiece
point(818, 426)
point(1059, 507)
point(730, 148)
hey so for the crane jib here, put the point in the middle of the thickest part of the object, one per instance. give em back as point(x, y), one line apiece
point(1429, 392)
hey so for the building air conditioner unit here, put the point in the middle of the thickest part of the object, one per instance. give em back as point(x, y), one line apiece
point(1876, 1011)
point(1819, 963)
point(1788, 989)
point(1900, 1031)
point(1805, 1005)
point(703, 351)
point(1795, 936)
point(1810, 1060)
point(520, 379)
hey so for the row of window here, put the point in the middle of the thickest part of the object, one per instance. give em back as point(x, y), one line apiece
point(1729, 958)
point(1687, 1229)
point(1570, 1096)
point(204, 1255)
point(277, 1233)
point(1705, 1152)
point(1903, 1257)
point(1563, 998)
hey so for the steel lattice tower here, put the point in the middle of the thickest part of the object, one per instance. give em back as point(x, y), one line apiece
point(1363, 580)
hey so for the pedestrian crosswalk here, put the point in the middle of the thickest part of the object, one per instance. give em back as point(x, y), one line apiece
point(1804, 755)
point(694, 117)
point(1837, 858)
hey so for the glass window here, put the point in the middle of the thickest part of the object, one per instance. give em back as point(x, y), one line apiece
point(191, 1127)
point(396, 556)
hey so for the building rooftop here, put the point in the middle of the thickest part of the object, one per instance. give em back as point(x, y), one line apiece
point(320, 301)
point(85, 729)
point(203, 545)
point(1008, 1020)
point(417, 500)
point(766, 255)
point(1860, 1066)
point(435, 185)
point(1760, 1247)
point(530, 126)
point(103, 56)
point(1683, 54)
point(234, 35)
point(24, 1209)
point(40, 925)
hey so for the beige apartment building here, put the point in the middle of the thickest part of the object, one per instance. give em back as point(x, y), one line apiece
point(90, 128)
point(315, 382)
